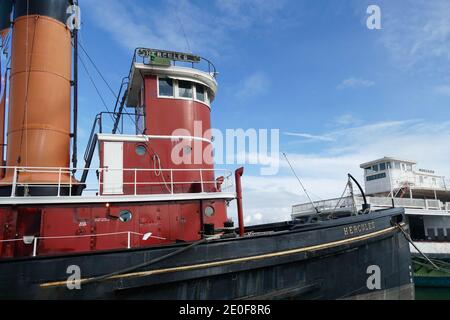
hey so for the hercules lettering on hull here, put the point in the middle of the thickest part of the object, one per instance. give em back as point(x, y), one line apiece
point(361, 228)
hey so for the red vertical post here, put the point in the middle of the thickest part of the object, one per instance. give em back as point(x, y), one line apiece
point(2, 125)
point(238, 175)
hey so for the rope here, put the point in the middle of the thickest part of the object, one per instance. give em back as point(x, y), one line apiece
point(441, 269)
point(156, 158)
point(408, 237)
point(143, 265)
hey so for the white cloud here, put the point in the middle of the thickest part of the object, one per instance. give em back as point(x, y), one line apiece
point(254, 85)
point(347, 119)
point(417, 34)
point(444, 89)
point(140, 25)
point(354, 83)
point(310, 137)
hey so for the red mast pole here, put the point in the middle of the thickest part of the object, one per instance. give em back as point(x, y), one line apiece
point(238, 175)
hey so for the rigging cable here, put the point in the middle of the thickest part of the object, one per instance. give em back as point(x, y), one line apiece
point(96, 88)
point(97, 69)
point(301, 184)
point(183, 30)
point(28, 65)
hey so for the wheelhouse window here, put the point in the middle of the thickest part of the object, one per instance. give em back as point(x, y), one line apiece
point(140, 120)
point(382, 166)
point(200, 92)
point(165, 87)
point(185, 89)
point(376, 177)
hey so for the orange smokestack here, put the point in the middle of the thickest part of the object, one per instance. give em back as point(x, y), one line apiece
point(40, 93)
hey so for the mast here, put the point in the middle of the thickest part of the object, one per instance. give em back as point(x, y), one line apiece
point(39, 124)
point(75, 95)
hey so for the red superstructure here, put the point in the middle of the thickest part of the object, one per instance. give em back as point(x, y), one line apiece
point(156, 186)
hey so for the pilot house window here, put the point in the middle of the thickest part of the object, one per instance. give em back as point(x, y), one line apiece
point(200, 92)
point(185, 89)
point(165, 87)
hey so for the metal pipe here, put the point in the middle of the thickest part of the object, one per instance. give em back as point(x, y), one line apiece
point(75, 101)
point(238, 175)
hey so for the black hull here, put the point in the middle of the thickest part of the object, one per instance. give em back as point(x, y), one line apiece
point(325, 261)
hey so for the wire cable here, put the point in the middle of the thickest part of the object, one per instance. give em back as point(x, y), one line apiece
point(98, 70)
point(96, 88)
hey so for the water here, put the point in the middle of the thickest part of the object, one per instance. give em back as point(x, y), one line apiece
point(423, 293)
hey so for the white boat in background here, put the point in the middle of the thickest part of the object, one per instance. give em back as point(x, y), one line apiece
point(425, 196)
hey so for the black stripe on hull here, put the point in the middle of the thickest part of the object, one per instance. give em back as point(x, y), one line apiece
point(318, 263)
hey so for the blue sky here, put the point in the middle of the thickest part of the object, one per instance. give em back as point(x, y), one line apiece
point(340, 94)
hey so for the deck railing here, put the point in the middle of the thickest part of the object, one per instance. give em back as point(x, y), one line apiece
point(130, 236)
point(131, 181)
point(378, 202)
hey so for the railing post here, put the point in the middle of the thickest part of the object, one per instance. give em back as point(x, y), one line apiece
point(59, 182)
point(35, 246)
point(201, 180)
point(238, 175)
point(100, 171)
point(135, 182)
point(171, 181)
point(13, 191)
point(70, 185)
point(129, 240)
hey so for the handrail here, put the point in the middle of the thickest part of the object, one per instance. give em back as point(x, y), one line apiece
point(90, 147)
point(137, 184)
point(34, 240)
point(211, 67)
point(427, 204)
point(97, 127)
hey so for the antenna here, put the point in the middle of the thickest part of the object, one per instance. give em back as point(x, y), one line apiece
point(301, 184)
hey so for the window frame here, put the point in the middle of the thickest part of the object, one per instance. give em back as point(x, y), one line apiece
point(176, 95)
point(158, 88)
point(192, 90)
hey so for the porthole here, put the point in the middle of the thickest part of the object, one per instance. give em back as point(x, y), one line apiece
point(141, 150)
point(209, 211)
point(125, 216)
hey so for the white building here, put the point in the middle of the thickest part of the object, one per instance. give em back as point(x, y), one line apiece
point(392, 176)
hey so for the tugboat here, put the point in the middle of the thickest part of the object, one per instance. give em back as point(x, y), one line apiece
point(141, 225)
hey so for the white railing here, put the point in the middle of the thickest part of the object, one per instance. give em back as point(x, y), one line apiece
point(324, 205)
point(375, 202)
point(133, 181)
point(34, 241)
